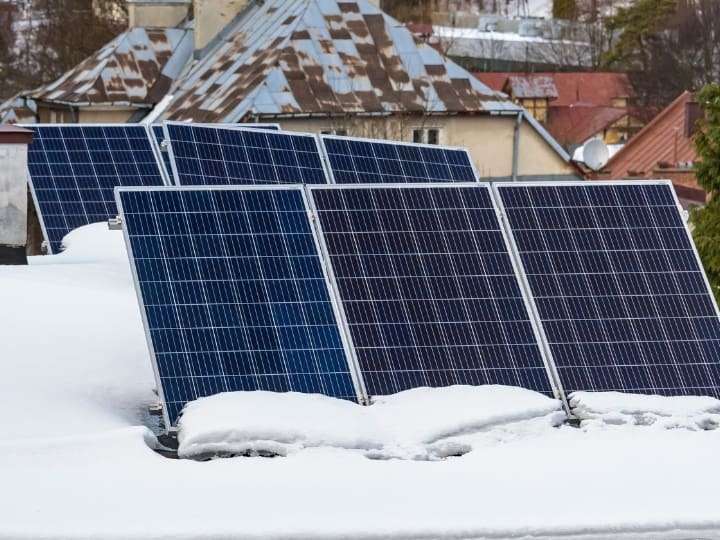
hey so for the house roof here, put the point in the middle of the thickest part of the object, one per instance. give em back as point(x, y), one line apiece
point(136, 68)
point(531, 86)
point(662, 141)
point(324, 57)
point(594, 88)
point(576, 124)
point(18, 110)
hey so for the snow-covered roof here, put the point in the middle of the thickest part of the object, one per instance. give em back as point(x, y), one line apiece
point(77, 459)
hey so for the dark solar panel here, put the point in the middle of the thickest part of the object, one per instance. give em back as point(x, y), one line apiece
point(360, 161)
point(159, 135)
point(74, 169)
point(623, 300)
point(216, 155)
point(428, 287)
point(233, 293)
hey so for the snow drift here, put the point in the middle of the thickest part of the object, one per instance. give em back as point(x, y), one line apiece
point(415, 424)
point(598, 409)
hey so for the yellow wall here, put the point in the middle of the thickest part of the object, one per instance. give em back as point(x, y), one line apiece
point(167, 16)
point(488, 138)
point(109, 116)
point(84, 116)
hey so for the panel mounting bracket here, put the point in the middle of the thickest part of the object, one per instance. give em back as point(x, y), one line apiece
point(115, 224)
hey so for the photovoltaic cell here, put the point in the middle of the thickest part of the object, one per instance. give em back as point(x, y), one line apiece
point(75, 168)
point(428, 287)
point(233, 293)
point(615, 279)
point(214, 155)
point(159, 135)
point(359, 161)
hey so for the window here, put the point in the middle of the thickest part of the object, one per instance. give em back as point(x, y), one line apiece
point(426, 136)
point(537, 107)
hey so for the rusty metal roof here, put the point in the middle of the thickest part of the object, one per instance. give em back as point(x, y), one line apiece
point(324, 57)
point(18, 110)
point(137, 69)
point(532, 86)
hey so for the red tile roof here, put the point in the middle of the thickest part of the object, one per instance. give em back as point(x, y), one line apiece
point(581, 106)
point(595, 88)
point(575, 125)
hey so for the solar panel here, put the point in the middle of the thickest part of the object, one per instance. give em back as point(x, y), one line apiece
point(215, 155)
point(158, 133)
point(233, 292)
point(428, 288)
point(74, 169)
point(363, 161)
point(616, 282)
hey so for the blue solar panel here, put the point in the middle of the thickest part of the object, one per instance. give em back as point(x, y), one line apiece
point(159, 134)
point(75, 168)
point(215, 155)
point(428, 287)
point(233, 293)
point(361, 161)
point(623, 300)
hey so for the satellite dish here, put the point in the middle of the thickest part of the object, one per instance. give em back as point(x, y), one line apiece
point(596, 154)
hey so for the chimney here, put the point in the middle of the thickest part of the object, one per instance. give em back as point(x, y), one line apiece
point(14, 143)
point(161, 13)
point(212, 16)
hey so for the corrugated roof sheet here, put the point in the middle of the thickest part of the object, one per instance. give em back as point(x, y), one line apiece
point(661, 142)
point(307, 57)
point(136, 68)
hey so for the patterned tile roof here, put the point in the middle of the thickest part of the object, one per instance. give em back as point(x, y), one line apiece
point(136, 68)
point(319, 57)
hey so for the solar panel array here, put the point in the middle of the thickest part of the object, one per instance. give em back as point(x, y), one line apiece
point(358, 161)
point(158, 133)
point(75, 168)
point(214, 155)
point(623, 300)
point(428, 287)
point(233, 293)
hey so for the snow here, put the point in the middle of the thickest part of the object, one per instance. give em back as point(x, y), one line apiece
point(74, 358)
point(599, 409)
point(409, 425)
point(77, 459)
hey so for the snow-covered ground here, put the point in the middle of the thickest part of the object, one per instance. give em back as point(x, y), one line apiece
point(76, 458)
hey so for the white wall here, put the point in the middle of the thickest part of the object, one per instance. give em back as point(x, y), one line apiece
point(13, 194)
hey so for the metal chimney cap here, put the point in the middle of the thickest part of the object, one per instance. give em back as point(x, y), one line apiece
point(12, 134)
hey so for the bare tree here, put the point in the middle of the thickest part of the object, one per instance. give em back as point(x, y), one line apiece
point(53, 36)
